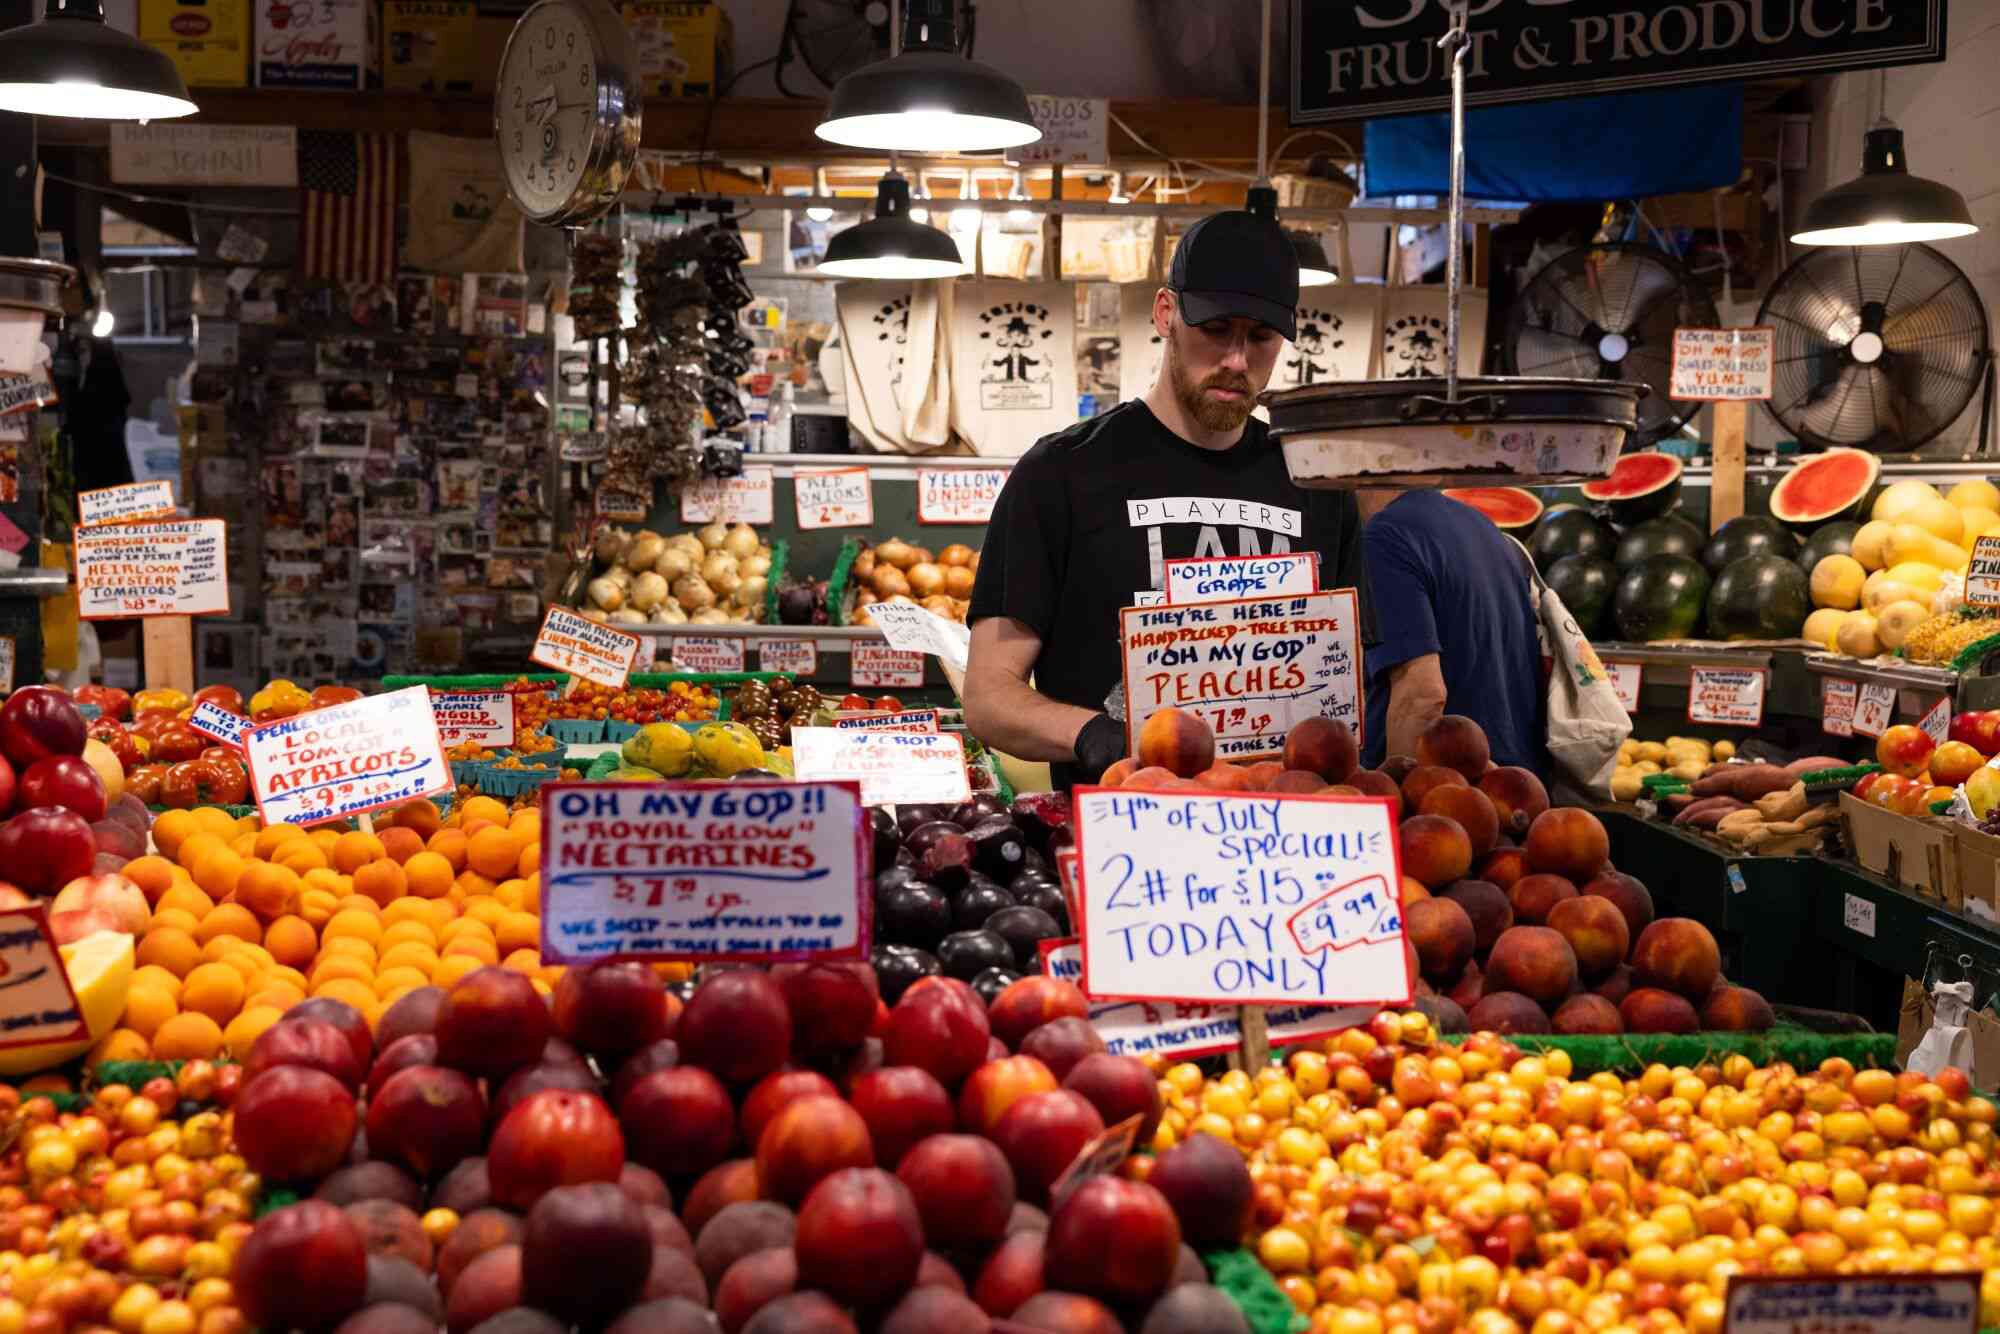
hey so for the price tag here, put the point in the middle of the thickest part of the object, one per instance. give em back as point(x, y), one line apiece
point(597, 653)
point(1300, 903)
point(913, 629)
point(911, 720)
point(1100, 1156)
point(1727, 696)
point(744, 499)
point(1837, 700)
point(1226, 578)
point(1875, 708)
point(483, 716)
point(1937, 722)
point(621, 506)
point(798, 657)
point(348, 759)
point(649, 652)
point(875, 665)
point(41, 1005)
point(748, 872)
point(124, 504)
point(1163, 1028)
point(834, 498)
point(152, 569)
point(707, 653)
point(6, 664)
point(211, 719)
point(1626, 678)
point(1858, 914)
point(891, 767)
point(1074, 129)
point(958, 495)
point(1982, 575)
point(1886, 1303)
point(1250, 668)
point(1722, 365)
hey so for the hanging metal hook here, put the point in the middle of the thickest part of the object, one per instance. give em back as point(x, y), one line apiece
point(1456, 42)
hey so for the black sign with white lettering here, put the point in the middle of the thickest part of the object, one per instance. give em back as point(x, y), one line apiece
point(1364, 58)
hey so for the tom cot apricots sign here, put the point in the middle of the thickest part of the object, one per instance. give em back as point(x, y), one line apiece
point(347, 760)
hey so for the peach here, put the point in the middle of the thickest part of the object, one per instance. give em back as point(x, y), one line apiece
point(1177, 741)
point(1422, 779)
point(110, 894)
point(1374, 783)
point(1507, 1012)
point(1568, 842)
point(1651, 1010)
point(1517, 794)
point(1534, 961)
point(1616, 986)
point(1503, 866)
point(1414, 889)
point(1470, 987)
point(1533, 896)
point(1587, 1014)
point(1677, 954)
point(1731, 1009)
point(1456, 742)
point(1225, 778)
point(1398, 767)
point(1151, 778)
point(1443, 934)
point(1631, 896)
point(1302, 781)
point(1323, 746)
point(1435, 850)
point(1486, 905)
point(1472, 809)
point(1595, 929)
point(1263, 774)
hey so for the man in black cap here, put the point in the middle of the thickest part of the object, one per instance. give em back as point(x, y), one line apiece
point(1091, 515)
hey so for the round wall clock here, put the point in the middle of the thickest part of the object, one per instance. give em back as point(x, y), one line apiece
point(566, 111)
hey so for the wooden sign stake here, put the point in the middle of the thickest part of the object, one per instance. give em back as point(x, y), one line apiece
point(169, 648)
point(1725, 488)
point(1253, 1048)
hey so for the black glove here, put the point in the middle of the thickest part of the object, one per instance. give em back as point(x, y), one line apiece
point(1099, 745)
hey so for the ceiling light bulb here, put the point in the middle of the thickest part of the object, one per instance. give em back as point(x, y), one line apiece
point(820, 214)
point(928, 98)
point(73, 64)
point(101, 326)
point(1021, 217)
point(1885, 204)
point(920, 215)
point(892, 244)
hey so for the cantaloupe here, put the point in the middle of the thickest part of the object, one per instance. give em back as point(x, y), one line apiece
point(1893, 626)
point(1881, 590)
point(1856, 636)
point(1821, 626)
point(1837, 582)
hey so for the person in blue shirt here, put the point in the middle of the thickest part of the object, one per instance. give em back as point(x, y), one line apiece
point(1456, 631)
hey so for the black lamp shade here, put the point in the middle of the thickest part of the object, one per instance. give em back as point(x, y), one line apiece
point(1885, 205)
point(1315, 270)
point(889, 245)
point(73, 64)
point(928, 102)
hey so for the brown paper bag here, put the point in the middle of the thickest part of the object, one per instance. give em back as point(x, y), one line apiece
point(1985, 1030)
point(1915, 1019)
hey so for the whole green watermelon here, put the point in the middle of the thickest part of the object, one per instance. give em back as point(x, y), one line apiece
point(1669, 535)
point(1759, 597)
point(1829, 539)
point(1748, 535)
point(1570, 532)
point(1660, 598)
point(1585, 584)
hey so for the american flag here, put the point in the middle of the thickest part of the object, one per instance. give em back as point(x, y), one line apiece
point(347, 187)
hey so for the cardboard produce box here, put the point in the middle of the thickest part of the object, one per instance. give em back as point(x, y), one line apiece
point(209, 40)
point(1979, 875)
point(317, 44)
point(442, 46)
point(686, 47)
point(1920, 855)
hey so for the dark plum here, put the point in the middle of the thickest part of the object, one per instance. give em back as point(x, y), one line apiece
point(966, 954)
point(898, 967)
point(971, 906)
point(998, 848)
point(925, 836)
point(977, 809)
point(913, 914)
point(887, 837)
point(992, 981)
point(1051, 901)
point(891, 876)
point(917, 814)
point(947, 863)
point(1023, 929)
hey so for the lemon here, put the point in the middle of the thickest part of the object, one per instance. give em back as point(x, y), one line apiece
point(1836, 583)
point(1900, 498)
point(665, 748)
point(1821, 626)
point(100, 969)
point(1975, 495)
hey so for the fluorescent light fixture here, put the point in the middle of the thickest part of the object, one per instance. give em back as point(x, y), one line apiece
point(928, 98)
point(72, 64)
point(892, 244)
point(1885, 204)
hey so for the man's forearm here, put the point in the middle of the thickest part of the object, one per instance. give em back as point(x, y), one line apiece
point(1411, 709)
point(1016, 718)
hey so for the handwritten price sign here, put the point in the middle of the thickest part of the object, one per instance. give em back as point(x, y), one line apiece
point(211, 719)
point(958, 495)
point(707, 653)
point(41, 1004)
point(1875, 709)
point(891, 767)
point(597, 653)
point(152, 569)
point(744, 499)
point(347, 760)
point(834, 498)
point(124, 504)
point(1249, 668)
point(1727, 696)
point(1722, 365)
point(704, 872)
point(876, 665)
point(1227, 578)
point(482, 716)
point(1837, 701)
point(1240, 900)
point(796, 656)
point(1903, 1303)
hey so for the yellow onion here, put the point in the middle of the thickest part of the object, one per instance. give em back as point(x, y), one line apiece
point(926, 579)
point(669, 613)
point(709, 616)
point(673, 562)
point(606, 594)
point(958, 581)
point(611, 544)
point(939, 605)
point(750, 592)
point(649, 590)
point(726, 584)
point(628, 616)
point(692, 593)
point(691, 544)
point(960, 609)
point(718, 566)
point(896, 552)
point(741, 541)
point(593, 614)
point(759, 564)
point(956, 554)
point(889, 581)
point(644, 551)
point(712, 535)
point(864, 564)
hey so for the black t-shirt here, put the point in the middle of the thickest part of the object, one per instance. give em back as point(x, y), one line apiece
point(1091, 515)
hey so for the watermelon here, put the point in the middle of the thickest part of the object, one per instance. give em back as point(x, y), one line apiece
point(1829, 539)
point(1584, 583)
point(1641, 486)
point(1837, 484)
point(1659, 598)
point(1508, 506)
point(1571, 532)
point(1748, 535)
point(1759, 597)
point(1669, 535)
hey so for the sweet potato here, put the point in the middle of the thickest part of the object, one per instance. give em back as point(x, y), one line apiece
point(1745, 782)
point(1788, 804)
point(1812, 764)
point(1704, 813)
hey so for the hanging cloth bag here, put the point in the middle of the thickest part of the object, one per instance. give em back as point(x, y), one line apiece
point(1587, 724)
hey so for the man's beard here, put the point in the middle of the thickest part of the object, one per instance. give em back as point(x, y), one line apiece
point(1214, 414)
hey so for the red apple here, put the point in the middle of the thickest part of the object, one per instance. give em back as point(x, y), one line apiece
point(63, 780)
point(47, 848)
point(37, 722)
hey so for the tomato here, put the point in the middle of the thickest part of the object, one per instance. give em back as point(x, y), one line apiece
point(117, 740)
point(193, 783)
point(889, 703)
point(148, 722)
point(1867, 781)
point(848, 702)
point(223, 697)
point(111, 702)
point(232, 779)
point(144, 782)
point(161, 698)
point(327, 696)
point(176, 742)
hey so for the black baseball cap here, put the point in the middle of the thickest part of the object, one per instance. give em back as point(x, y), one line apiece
point(1237, 264)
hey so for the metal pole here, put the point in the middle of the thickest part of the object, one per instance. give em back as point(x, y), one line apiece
point(1455, 41)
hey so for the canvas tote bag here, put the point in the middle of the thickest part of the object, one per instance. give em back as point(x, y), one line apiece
point(1587, 724)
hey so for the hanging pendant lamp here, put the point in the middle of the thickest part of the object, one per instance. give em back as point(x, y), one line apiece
point(74, 64)
point(1885, 204)
point(928, 98)
point(890, 245)
point(1315, 269)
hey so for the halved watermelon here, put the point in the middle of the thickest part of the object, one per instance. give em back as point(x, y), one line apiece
point(1508, 506)
point(1641, 486)
point(1836, 484)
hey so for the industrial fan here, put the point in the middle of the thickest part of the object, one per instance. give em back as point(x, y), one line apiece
point(1878, 347)
point(836, 37)
point(1609, 312)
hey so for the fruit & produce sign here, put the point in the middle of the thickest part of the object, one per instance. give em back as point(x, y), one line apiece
point(891, 767)
point(1874, 1304)
point(1224, 578)
point(37, 1003)
point(1727, 696)
point(348, 759)
point(958, 495)
point(745, 872)
point(1250, 669)
point(597, 653)
point(1260, 899)
point(1722, 365)
point(152, 569)
point(484, 716)
point(833, 498)
point(211, 719)
point(1187, 1029)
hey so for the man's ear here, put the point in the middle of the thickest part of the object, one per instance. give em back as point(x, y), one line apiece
point(1163, 312)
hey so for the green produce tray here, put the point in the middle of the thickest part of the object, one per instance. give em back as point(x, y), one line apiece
point(235, 812)
point(1629, 1053)
point(1245, 1281)
point(602, 766)
point(1829, 778)
point(575, 731)
point(495, 681)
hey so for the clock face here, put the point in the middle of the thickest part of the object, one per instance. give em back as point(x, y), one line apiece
point(546, 109)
